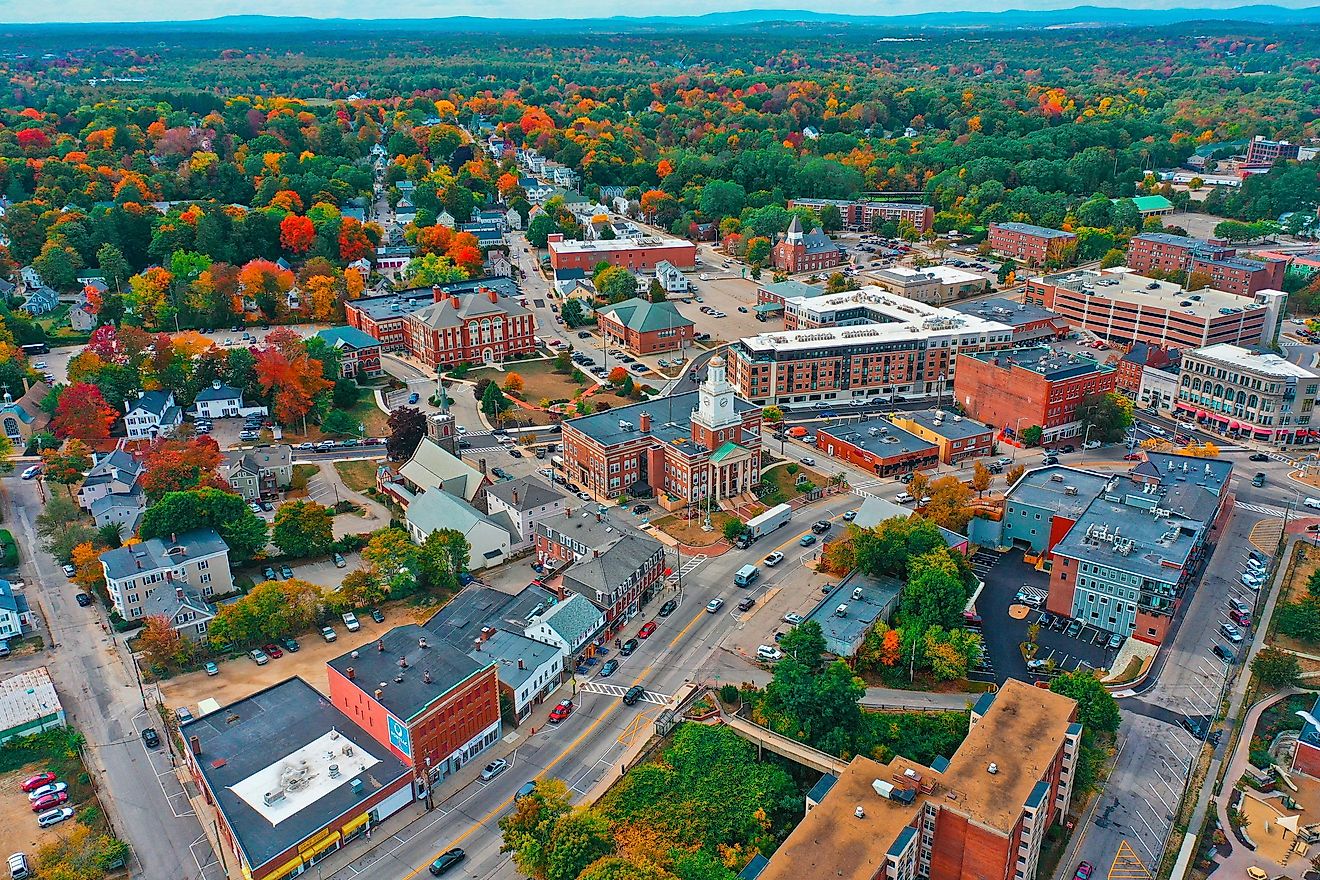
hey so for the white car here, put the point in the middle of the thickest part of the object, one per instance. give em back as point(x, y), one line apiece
point(351, 621)
point(774, 559)
point(54, 788)
point(793, 618)
point(1313, 503)
point(714, 605)
point(904, 498)
point(809, 462)
point(769, 653)
point(69, 570)
point(493, 769)
point(1091, 444)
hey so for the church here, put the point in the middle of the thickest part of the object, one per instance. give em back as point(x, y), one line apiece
point(681, 449)
point(813, 252)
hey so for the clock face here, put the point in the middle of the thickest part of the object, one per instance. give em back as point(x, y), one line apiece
point(724, 401)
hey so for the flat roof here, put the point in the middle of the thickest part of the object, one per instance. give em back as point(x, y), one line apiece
point(374, 668)
point(1050, 488)
point(1005, 311)
point(603, 245)
point(477, 608)
point(1123, 534)
point(1021, 734)
point(405, 302)
point(1127, 287)
point(1039, 231)
point(879, 437)
point(950, 425)
point(942, 274)
point(1045, 361)
point(1263, 362)
point(255, 746)
point(27, 697)
point(878, 593)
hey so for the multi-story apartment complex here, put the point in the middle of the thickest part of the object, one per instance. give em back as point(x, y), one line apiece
point(1263, 153)
point(433, 706)
point(1014, 390)
point(859, 344)
point(1214, 259)
point(1030, 244)
point(1125, 308)
point(1126, 563)
point(805, 252)
point(683, 447)
point(934, 284)
point(863, 215)
point(382, 317)
point(982, 813)
point(1248, 393)
point(634, 254)
point(196, 561)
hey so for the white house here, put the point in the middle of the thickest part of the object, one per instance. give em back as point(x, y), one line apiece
point(490, 538)
point(444, 218)
point(529, 671)
point(153, 414)
point(569, 624)
point(670, 278)
point(222, 401)
point(524, 501)
point(14, 614)
point(116, 473)
point(513, 218)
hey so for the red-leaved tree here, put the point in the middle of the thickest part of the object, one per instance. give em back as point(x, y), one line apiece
point(297, 234)
point(174, 464)
point(83, 413)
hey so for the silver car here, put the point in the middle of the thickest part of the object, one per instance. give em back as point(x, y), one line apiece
point(493, 769)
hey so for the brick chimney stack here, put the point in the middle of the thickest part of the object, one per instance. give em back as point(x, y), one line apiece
point(454, 301)
point(492, 296)
point(644, 422)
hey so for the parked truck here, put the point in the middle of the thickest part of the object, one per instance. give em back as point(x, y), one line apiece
point(775, 517)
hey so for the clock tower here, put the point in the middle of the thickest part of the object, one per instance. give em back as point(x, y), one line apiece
point(715, 419)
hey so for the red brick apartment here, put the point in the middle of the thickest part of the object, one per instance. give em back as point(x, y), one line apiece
point(1029, 244)
point(1023, 387)
point(633, 254)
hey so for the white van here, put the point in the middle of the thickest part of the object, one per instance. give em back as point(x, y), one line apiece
point(19, 869)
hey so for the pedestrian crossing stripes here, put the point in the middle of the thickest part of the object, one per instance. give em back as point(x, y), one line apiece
point(691, 563)
point(614, 690)
point(1262, 509)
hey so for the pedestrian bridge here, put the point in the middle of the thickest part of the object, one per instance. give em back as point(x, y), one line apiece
point(783, 746)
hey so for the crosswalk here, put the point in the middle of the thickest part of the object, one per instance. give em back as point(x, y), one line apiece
point(615, 690)
point(1262, 509)
point(691, 563)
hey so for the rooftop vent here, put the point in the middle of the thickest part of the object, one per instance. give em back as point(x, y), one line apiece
point(992, 769)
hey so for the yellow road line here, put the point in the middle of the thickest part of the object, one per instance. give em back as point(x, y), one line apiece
point(565, 753)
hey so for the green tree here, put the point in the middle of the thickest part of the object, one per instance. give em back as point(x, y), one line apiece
point(772, 414)
point(303, 528)
point(734, 529)
point(573, 313)
point(1032, 435)
point(577, 839)
point(539, 230)
point(493, 401)
point(229, 515)
point(394, 559)
point(1097, 709)
point(1005, 269)
point(114, 268)
point(1113, 257)
point(528, 829)
point(616, 284)
point(339, 422)
point(806, 644)
point(443, 557)
point(1105, 416)
point(656, 291)
point(1276, 668)
point(935, 594)
point(758, 251)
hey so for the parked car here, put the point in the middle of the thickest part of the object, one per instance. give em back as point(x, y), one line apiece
point(493, 769)
point(377, 615)
point(448, 859)
point(1241, 618)
point(646, 630)
point(69, 570)
point(286, 572)
point(290, 644)
point(794, 618)
point(328, 633)
point(904, 498)
point(850, 516)
point(268, 573)
point(714, 605)
point(53, 788)
point(1239, 605)
point(55, 817)
point(1231, 632)
point(561, 711)
point(83, 599)
point(628, 647)
point(150, 738)
point(768, 653)
point(351, 622)
point(211, 668)
point(340, 561)
point(608, 668)
point(1074, 629)
point(1116, 640)
point(746, 603)
point(668, 608)
point(273, 651)
point(635, 693)
point(259, 656)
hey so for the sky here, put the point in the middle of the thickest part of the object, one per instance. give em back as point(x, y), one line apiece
point(14, 11)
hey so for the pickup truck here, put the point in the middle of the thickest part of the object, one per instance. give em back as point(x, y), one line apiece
point(351, 621)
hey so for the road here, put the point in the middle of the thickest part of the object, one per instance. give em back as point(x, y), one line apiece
point(101, 696)
point(689, 646)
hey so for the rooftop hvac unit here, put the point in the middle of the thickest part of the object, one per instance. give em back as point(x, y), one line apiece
point(273, 797)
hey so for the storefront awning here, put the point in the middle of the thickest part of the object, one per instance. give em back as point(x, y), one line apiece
point(767, 308)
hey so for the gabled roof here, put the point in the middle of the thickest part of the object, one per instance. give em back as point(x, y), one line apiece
point(434, 510)
point(256, 460)
point(164, 600)
point(8, 599)
point(527, 493)
point(511, 649)
point(817, 242)
point(132, 499)
point(154, 553)
point(219, 391)
point(608, 572)
point(572, 619)
point(474, 305)
point(432, 467)
point(642, 316)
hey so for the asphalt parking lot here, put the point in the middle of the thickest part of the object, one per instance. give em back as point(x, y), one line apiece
point(1004, 575)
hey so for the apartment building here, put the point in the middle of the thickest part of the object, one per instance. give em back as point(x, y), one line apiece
point(983, 812)
point(682, 448)
point(859, 344)
point(1125, 308)
point(863, 215)
point(196, 561)
point(641, 254)
point(1214, 259)
point(1026, 387)
point(934, 284)
point(1029, 244)
point(1244, 392)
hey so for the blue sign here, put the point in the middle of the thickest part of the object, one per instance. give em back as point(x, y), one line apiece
point(399, 736)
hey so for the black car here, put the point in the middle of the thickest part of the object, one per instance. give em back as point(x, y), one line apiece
point(668, 608)
point(820, 527)
point(377, 615)
point(1258, 456)
point(1067, 447)
point(1049, 460)
point(639, 509)
point(573, 487)
point(83, 599)
point(746, 603)
point(447, 860)
point(635, 693)
point(628, 647)
point(583, 334)
point(151, 738)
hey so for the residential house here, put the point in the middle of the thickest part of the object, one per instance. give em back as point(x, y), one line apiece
point(41, 300)
point(220, 401)
point(258, 473)
point(529, 670)
point(22, 418)
point(153, 414)
point(524, 501)
point(116, 473)
point(196, 560)
point(569, 625)
point(81, 317)
point(498, 264)
point(670, 278)
point(28, 276)
point(124, 508)
point(490, 538)
point(188, 613)
point(513, 219)
point(14, 612)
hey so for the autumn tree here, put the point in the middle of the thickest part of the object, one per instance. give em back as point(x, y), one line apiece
point(67, 464)
point(161, 644)
point(1014, 473)
point(270, 610)
point(297, 234)
point(291, 378)
point(172, 464)
point(393, 559)
point(407, 427)
point(83, 413)
point(948, 503)
point(981, 478)
point(303, 528)
point(618, 375)
point(513, 383)
point(361, 588)
point(87, 570)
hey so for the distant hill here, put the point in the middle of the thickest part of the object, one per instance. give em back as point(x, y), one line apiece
point(1077, 16)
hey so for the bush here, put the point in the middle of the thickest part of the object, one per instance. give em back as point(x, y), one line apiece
point(8, 550)
point(729, 693)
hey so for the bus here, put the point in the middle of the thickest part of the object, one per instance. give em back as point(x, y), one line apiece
point(36, 348)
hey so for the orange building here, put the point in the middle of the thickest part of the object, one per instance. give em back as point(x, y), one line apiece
point(633, 254)
point(1019, 388)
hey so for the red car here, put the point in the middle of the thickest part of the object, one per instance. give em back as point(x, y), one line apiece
point(561, 711)
point(646, 630)
point(273, 651)
point(35, 782)
point(49, 801)
point(1133, 456)
point(1240, 618)
point(1083, 872)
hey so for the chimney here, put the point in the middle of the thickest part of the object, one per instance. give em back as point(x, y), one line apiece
point(422, 643)
point(521, 665)
point(379, 693)
point(515, 495)
point(195, 744)
point(178, 592)
point(453, 301)
point(215, 383)
point(481, 466)
point(645, 422)
point(351, 673)
point(437, 294)
point(174, 538)
point(493, 296)
point(403, 662)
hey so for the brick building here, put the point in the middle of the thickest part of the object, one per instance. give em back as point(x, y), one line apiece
point(1125, 308)
point(858, 345)
point(863, 215)
point(634, 254)
point(1030, 323)
point(810, 252)
point(1306, 755)
point(430, 704)
point(359, 352)
point(981, 813)
point(878, 446)
point(644, 327)
point(381, 317)
point(1029, 244)
point(479, 328)
point(1213, 258)
point(956, 437)
point(1240, 275)
point(1262, 152)
point(612, 564)
point(1014, 390)
point(682, 447)
point(1134, 362)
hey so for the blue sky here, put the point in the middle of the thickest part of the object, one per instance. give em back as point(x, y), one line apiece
point(168, 10)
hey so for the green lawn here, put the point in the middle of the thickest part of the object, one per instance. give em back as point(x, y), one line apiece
point(540, 381)
point(787, 482)
point(357, 475)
